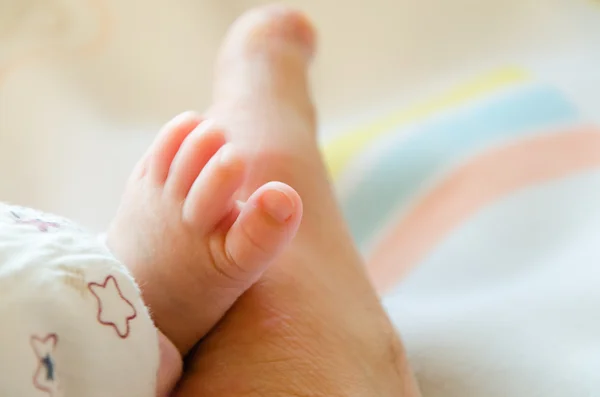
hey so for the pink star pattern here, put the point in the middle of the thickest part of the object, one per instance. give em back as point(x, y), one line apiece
point(113, 308)
point(42, 226)
point(45, 376)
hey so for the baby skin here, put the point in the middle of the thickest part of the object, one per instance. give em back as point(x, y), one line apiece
point(180, 227)
point(312, 325)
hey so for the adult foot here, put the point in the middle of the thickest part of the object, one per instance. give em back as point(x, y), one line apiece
point(312, 325)
point(193, 247)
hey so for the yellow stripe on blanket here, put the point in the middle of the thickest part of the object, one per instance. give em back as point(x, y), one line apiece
point(339, 151)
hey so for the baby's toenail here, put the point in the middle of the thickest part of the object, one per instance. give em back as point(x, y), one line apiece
point(227, 154)
point(205, 125)
point(278, 205)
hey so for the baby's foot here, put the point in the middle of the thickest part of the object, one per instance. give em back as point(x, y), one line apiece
point(180, 230)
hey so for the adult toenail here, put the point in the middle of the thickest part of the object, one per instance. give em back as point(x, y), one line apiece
point(278, 205)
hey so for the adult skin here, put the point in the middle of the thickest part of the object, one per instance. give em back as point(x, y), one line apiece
point(313, 325)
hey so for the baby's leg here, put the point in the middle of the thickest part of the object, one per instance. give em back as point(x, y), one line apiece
point(73, 321)
point(180, 229)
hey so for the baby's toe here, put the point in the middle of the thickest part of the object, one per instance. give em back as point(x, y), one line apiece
point(265, 226)
point(159, 157)
point(195, 152)
point(211, 197)
point(262, 229)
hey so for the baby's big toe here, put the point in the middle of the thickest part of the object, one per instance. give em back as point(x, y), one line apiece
point(267, 223)
point(261, 230)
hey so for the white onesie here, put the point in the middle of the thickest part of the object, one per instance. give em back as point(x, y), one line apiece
point(74, 323)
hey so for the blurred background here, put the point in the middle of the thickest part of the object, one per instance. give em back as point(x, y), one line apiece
point(85, 84)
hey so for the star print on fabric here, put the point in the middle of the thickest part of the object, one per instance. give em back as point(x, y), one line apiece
point(42, 226)
point(45, 376)
point(113, 308)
